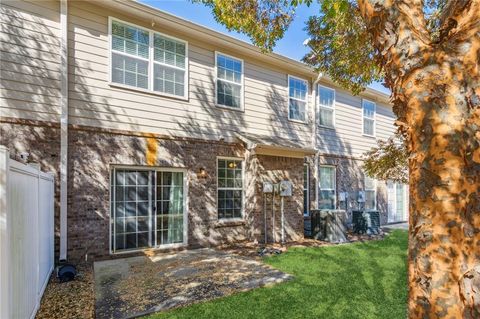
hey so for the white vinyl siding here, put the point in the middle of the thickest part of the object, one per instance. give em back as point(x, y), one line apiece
point(229, 188)
point(297, 102)
point(327, 185)
point(370, 192)
point(369, 109)
point(326, 102)
point(229, 84)
point(137, 53)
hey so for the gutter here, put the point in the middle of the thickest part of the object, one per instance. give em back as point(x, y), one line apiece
point(63, 128)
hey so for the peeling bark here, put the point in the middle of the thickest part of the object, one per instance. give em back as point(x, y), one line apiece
point(436, 94)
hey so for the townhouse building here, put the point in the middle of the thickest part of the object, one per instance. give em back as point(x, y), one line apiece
point(161, 132)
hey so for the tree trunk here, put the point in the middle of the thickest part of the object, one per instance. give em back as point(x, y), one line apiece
point(444, 242)
point(436, 96)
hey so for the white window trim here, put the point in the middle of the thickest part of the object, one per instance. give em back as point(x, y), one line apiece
point(374, 189)
point(308, 189)
point(329, 189)
point(374, 118)
point(307, 95)
point(242, 212)
point(321, 106)
point(242, 83)
point(185, 209)
point(150, 60)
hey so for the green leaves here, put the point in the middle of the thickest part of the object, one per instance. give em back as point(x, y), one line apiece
point(341, 46)
point(264, 22)
point(388, 160)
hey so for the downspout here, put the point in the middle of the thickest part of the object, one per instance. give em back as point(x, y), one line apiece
point(315, 137)
point(63, 128)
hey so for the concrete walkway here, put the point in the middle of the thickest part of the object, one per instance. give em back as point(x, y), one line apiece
point(131, 287)
point(403, 226)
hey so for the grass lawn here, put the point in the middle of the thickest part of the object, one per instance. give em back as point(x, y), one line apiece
point(361, 280)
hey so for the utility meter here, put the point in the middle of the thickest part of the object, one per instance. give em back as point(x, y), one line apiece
point(285, 188)
point(267, 187)
point(342, 196)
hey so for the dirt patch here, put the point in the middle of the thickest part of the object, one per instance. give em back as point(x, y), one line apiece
point(74, 299)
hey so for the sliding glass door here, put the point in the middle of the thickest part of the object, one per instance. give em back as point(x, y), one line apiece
point(147, 208)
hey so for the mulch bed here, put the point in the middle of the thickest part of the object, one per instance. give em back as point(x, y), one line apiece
point(250, 249)
point(74, 299)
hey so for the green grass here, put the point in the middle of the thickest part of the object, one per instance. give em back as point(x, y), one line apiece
point(361, 280)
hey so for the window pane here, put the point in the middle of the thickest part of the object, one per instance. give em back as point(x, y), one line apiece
point(169, 51)
point(297, 110)
point(229, 69)
point(129, 71)
point(368, 126)
point(370, 199)
point(297, 88)
point(168, 80)
point(327, 177)
point(326, 117)
point(130, 40)
point(327, 199)
point(368, 109)
point(228, 94)
point(326, 96)
point(369, 182)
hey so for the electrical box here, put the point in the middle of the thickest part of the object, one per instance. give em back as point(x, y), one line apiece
point(361, 197)
point(267, 187)
point(342, 196)
point(286, 188)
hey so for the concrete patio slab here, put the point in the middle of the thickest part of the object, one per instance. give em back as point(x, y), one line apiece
point(131, 287)
point(388, 227)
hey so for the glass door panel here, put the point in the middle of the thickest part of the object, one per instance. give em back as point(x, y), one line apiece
point(169, 208)
point(132, 209)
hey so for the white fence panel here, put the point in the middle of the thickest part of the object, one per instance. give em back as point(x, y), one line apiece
point(26, 234)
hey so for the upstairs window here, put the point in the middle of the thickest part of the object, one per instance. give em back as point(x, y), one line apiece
point(368, 117)
point(297, 102)
point(370, 193)
point(326, 101)
point(147, 60)
point(130, 55)
point(229, 84)
point(169, 63)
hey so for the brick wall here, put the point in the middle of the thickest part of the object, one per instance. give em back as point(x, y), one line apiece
point(92, 154)
point(350, 179)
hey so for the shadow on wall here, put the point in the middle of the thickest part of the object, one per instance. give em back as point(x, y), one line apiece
point(33, 43)
point(223, 123)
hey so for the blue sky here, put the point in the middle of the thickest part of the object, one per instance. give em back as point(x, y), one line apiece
point(291, 45)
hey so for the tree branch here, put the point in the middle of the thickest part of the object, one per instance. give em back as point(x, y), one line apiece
point(449, 17)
